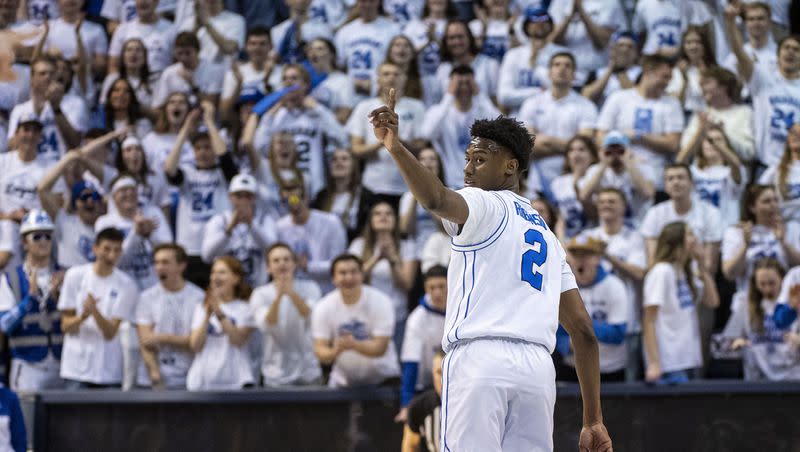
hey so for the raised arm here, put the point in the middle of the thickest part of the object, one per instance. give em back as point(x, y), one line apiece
point(744, 63)
point(426, 187)
point(174, 157)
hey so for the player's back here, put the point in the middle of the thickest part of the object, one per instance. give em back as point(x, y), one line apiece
point(507, 272)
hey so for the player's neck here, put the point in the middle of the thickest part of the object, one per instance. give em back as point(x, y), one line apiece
point(647, 92)
point(32, 261)
point(71, 18)
point(150, 18)
point(759, 42)
point(351, 296)
point(560, 91)
point(26, 155)
point(464, 103)
point(301, 215)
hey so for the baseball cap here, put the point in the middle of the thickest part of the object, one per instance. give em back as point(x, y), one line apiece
point(586, 244)
point(615, 137)
point(36, 220)
point(536, 14)
point(624, 34)
point(80, 187)
point(243, 182)
point(29, 118)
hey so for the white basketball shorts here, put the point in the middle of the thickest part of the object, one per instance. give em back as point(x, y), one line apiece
point(497, 395)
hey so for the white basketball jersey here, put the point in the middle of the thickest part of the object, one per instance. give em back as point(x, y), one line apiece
point(507, 272)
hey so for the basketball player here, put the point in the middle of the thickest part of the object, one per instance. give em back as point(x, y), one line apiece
point(509, 287)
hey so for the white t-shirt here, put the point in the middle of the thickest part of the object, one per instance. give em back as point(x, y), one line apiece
point(763, 244)
point(637, 202)
point(87, 356)
point(403, 11)
point(13, 93)
point(766, 58)
point(288, 349)
point(361, 47)
point(41, 10)
point(518, 80)
point(230, 25)
point(448, 128)
point(220, 365)
point(207, 77)
point(381, 275)
point(157, 147)
point(169, 313)
point(703, 218)
point(158, 39)
point(121, 11)
point(614, 84)
point(436, 251)
point(495, 36)
point(10, 243)
point(790, 202)
point(604, 13)
point(331, 12)
point(562, 118)
point(137, 251)
point(381, 175)
point(52, 146)
point(62, 37)
point(677, 326)
point(336, 91)
point(606, 302)
point(693, 96)
point(776, 104)
point(486, 70)
point(370, 317)
point(737, 123)
point(203, 194)
point(628, 246)
point(247, 243)
point(628, 110)
point(663, 21)
point(424, 226)
point(251, 78)
point(309, 31)
point(321, 239)
point(716, 186)
point(421, 341)
point(569, 207)
point(314, 130)
point(18, 181)
point(504, 247)
point(74, 240)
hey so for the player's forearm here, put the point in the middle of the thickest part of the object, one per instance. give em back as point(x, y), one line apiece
point(666, 144)
point(71, 323)
point(150, 358)
point(426, 187)
point(628, 270)
point(373, 348)
point(175, 341)
point(107, 327)
point(649, 335)
point(587, 366)
point(325, 354)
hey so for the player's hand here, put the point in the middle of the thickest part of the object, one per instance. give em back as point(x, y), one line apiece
point(89, 304)
point(346, 342)
point(594, 438)
point(739, 343)
point(55, 281)
point(402, 416)
point(385, 122)
point(151, 341)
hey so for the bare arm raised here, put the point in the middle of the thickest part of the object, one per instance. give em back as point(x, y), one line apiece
point(424, 185)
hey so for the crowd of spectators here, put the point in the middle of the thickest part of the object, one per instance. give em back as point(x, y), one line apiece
point(191, 194)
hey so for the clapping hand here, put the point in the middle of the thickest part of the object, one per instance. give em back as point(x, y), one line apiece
point(143, 225)
point(89, 305)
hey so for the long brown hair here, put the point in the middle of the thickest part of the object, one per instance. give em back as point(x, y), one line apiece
point(709, 56)
point(242, 290)
point(749, 199)
point(324, 200)
point(754, 310)
point(783, 170)
point(273, 167)
point(671, 242)
point(369, 235)
point(590, 146)
point(413, 80)
point(162, 122)
point(702, 163)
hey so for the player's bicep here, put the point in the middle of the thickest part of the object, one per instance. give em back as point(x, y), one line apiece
point(453, 208)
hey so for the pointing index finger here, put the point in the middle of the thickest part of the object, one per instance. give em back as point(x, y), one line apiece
point(392, 99)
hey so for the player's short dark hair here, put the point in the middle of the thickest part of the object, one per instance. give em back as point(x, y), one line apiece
point(792, 37)
point(462, 69)
point(187, 39)
point(682, 166)
point(746, 7)
point(437, 271)
point(329, 44)
point(109, 235)
point(177, 251)
point(562, 55)
point(277, 245)
point(509, 133)
point(259, 30)
point(653, 62)
point(345, 258)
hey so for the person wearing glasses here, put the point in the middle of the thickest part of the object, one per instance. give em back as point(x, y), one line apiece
point(28, 312)
point(619, 168)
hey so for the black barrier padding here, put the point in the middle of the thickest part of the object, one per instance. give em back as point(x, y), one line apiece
point(701, 417)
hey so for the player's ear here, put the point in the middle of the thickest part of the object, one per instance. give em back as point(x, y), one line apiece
point(512, 165)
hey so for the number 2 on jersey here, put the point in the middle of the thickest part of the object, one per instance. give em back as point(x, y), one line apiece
point(534, 257)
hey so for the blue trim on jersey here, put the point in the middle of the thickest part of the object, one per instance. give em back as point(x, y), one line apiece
point(446, 400)
point(471, 290)
point(463, 294)
point(493, 236)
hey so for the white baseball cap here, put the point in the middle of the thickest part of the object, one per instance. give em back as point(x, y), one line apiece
point(243, 182)
point(36, 220)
